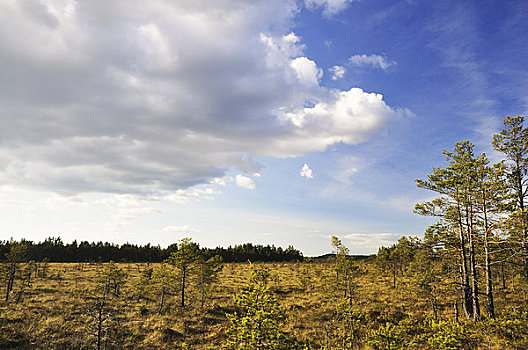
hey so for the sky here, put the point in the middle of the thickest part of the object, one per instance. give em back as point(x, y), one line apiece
point(231, 121)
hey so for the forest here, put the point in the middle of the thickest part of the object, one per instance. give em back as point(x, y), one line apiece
point(463, 285)
point(53, 249)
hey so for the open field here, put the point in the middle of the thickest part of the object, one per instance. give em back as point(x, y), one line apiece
point(62, 308)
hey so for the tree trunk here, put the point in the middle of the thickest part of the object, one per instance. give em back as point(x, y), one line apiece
point(472, 258)
point(10, 280)
point(202, 292)
point(433, 303)
point(466, 290)
point(489, 282)
point(184, 273)
point(487, 254)
point(474, 279)
point(162, 299)
point(100, 316)
point(524, 219)
point(503, 276)
point(394, 275)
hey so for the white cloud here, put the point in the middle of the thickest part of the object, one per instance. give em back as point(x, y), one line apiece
point(306, 71)
point(181, 229)
point(347, 116)
point(191, 194)
point(371, 240)
point(337, 72)
point(221, 181)
point(128, 207)
point(330, 7)
point(245, 182)
point(306, 171)
point(280, 48)
point(375, 61)
point(158, 101)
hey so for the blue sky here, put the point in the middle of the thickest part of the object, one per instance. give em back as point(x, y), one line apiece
point(274, 122)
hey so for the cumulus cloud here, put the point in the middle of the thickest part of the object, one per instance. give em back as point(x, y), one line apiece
point(337, 72)
point(306, 172)
point(245, 182)
point(375, 61)
point(109, 98)
point(306, 71)
point(347, 116)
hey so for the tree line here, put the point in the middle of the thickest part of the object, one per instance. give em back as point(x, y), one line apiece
point(53, 249)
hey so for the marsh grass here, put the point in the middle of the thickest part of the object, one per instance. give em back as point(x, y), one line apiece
point(58, 309)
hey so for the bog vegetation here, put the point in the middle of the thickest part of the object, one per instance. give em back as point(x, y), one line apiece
point(463, 286)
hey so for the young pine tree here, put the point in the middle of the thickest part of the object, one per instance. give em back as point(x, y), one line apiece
point(208, 270)
point(260, 322)
point(16, 255)
point(184, 259)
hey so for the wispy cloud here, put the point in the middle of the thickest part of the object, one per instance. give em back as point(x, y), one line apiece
point(330, 7)
point(183, 229)
point(456, 38)
point(371, 240)
point(129, 207)
point(375, 61)
point(191, 194)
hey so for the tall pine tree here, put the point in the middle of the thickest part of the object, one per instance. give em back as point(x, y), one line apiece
point(512, 141)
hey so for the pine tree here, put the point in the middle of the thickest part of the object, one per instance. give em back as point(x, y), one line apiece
point(208, 270)
point(457, 185)
point(115, 276)
point(17, 254)
point(259, 324)
point(345, 267)
point(162, 279)
point(513, 143)
point(491, 196)
point(184, 258)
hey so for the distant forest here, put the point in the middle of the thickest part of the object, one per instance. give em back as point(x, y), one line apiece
point(53, 249)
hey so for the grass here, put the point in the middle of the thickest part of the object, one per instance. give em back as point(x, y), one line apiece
point(59, 309)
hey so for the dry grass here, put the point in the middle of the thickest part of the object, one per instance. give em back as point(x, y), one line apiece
point(57, 311)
